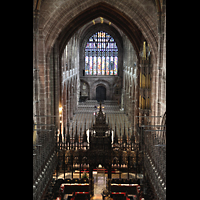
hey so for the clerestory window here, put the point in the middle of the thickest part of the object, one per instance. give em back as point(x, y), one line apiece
point(101, 55)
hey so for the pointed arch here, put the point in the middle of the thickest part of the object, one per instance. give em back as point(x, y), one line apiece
point(68, 17)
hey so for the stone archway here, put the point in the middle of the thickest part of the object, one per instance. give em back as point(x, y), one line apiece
point(100, 82)
point(100, 93)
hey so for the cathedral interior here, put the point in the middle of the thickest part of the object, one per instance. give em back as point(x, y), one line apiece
point(99, 99)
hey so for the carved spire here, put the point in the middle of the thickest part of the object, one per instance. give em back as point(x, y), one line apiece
point(80, 130)
point(128, 133)
point(60, 140)
point(132, 137)
point(92, 122)
point(124, 126)
point(84, 133)
point(124, 136)
point(85, 125)
point(64, 135)
point(84, 136)
point(116, 137)
point(60, 137)
point(68, 136)
point(76, 134)
point(100, 107)
point(80, 133)
point(120, 135)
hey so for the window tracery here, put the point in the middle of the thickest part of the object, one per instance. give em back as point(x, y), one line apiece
point(101, 55)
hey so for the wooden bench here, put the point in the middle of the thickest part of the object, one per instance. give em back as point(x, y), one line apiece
point(119, 196)
point(77, 196)
point(69, 188)
point(129, 188)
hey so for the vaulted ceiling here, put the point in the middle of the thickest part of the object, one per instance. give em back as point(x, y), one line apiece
point(138, 19)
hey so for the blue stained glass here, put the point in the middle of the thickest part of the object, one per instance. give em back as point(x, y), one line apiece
point(94, 65)
point(99, 65)
point(90, 66)
point(101, 55)
point(86, 65)
point(103, 65)
point(115, 65)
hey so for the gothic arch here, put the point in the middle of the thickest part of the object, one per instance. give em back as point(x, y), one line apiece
point(69, 16)
point(103, 83)
point(115, 160)
point(87, 33)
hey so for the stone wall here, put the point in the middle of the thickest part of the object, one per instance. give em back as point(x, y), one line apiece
point(111, 83)
point(129, 91)
point(70, 80)
point(55, 84)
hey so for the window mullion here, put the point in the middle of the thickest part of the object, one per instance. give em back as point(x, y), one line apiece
point(99, 52)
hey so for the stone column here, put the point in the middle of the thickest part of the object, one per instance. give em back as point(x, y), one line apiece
point(136, 103)
point(71, 106)
point(74, 102)
point(68, 109)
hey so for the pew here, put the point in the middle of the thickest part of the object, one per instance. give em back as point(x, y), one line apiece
point(81, 196)
point(69, 188)
point(129, 188)
point(119, 196)
point(77, 196)
point(125, 185)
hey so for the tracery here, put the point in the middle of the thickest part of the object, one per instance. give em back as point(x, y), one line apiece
point(101, 55)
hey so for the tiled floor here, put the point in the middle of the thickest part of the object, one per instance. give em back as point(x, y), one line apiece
point(99, 183)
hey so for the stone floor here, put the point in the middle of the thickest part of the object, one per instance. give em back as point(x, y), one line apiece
point(99, 182)
point(86, 113)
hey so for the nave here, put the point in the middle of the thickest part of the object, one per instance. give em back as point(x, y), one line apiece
point(105, 50)
point(86, 113)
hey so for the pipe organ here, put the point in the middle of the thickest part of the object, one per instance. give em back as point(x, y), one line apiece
point(145, 80)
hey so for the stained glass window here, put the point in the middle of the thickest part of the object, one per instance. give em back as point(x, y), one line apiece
point(101, 55)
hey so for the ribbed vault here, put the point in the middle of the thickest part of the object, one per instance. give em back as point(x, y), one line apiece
point(137, 21)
